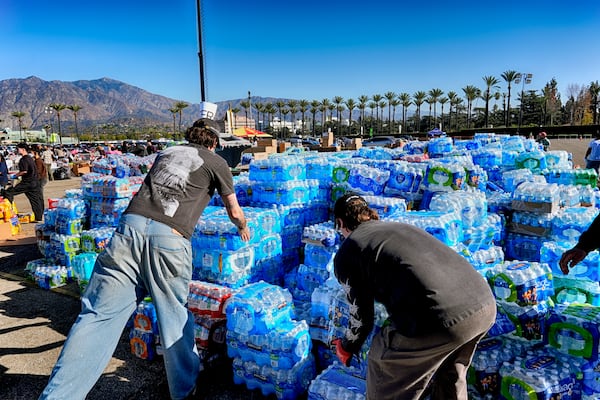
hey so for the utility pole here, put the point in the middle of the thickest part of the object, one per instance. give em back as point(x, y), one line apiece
point(200, 53)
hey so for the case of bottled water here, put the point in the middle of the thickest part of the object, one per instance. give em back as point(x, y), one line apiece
point(386, 206)
point(226, 267)
point(284, 192)
point(283, 384)
point(441, 176)
point(541, 374)
point(523, 247)
point(143, 336)
point(521, 282)
point(536, 197)
point(588, 268)
point(568, 290)
point(530, 223)
point(484, 373)
point(322, 234)
point(532, 160)
point(257, 308)
point(574, 329)
point(558, 159)
point(445, 226)
point(512, 143)
point(336, 383)
point(277, 169)
point(208, 299)
point(404, 177)
point(487, 258)
point(367, 180)
point(96, 239)
point(83, 266)
point(416, 147)
point(529, 321)
point(71, 208)
point(471, 206)
point(569, 223)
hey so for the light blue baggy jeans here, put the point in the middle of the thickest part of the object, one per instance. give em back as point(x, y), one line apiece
point(143, 257)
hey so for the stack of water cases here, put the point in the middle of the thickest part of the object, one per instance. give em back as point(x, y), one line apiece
point(542, 374)
point(108, 197)
point(337, 382)
point(484, 380)
point(271, 351)
point(143, 336)
point(206, 301)
point(538, 198)
point(523, 290)
point(446, 226)
point(95, 240)
point(48, 275)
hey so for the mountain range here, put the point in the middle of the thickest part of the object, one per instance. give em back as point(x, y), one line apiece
point(102, 101)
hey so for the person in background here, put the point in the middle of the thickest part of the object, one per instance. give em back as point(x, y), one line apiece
point(3, 172)
point(48, 159)
point(150, 253)
point(592, 154)
point(29, 184)
point(588, 241)
point(150, 148)
point(41, 167)
point(543, 140)
point(439, 306)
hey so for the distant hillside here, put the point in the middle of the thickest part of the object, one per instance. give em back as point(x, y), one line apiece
point(102, 101)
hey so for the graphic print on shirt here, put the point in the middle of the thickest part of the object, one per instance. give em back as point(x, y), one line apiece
point(175, 164)
point(354, 321)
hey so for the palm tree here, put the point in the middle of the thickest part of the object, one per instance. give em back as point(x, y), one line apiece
point(372, 105)
point(429, 100)
point(390, 97)
point(303, 107)
point(362, 104)
point(292, 108)
point(434, 95)
point(452, 96)
point(490, 82)
point(406, 102)
point(471, 93)
point(393, 103)
point(234, 112)
point(260, 108)
point(180, 105)
point(377, 98)
point(382, 104)
point(174, 110)
point(280, 104)
point(246, 105)
point(418, 100)
point(314, 108)
point(75, 109)
point(338, 100)
point(270, 110)
point(442, 101)
point(594, 91)
point(19, 116)
point(350, 105)
point(58, 108)
point(325, 103)
point(509, 76)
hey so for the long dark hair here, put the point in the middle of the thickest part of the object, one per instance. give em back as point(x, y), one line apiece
point(353, 210)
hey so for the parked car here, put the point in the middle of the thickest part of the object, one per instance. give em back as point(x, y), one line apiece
point(387, 141)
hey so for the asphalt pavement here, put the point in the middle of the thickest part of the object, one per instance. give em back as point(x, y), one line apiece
point(34, 323)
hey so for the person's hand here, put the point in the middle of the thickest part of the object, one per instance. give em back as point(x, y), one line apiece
point(244, 233)
point(341, 354)
point(570, 258)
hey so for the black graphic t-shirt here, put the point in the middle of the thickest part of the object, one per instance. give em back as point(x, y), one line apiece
point(179, 186)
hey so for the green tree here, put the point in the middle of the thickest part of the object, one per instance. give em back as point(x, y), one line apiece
point(362, 105)
point(377, 99)
point(418, 100)
point(180, 106)
point(303, 107)
point(75, 109)
point(509, 77)
point(491, 82)
point(293, 109)
point(471, 93)
point(594, 90)
point(390, 97)
point(338, 100)
point(442, 101)
point(19, 116)
point(58, 107)
point(325, 103)
point(246, 105)
point(350, 105)
point(314, 108)
point(280, 104)
point(174, 110)
point(434, 95)
point(406, 102)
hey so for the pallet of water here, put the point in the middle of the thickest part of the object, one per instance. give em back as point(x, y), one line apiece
point(574, 329)
point(536, 197)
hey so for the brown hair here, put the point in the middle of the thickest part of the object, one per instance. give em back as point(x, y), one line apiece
point(353, 210)
point(203, 132)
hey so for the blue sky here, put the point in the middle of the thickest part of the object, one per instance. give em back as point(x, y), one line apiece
point(301, 49)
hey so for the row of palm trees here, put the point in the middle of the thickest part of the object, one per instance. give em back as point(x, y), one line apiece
point(550, 102)
point(58, 108)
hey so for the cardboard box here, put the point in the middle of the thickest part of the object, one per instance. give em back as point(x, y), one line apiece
point(329, 149)
point(283, 146)
point(328, 140)
point(267, 142)
point(529, 230)
point(540, 208)
point(81, 169)
point(260, 149)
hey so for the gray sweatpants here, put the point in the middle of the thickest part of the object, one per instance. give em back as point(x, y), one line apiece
point(403, 368)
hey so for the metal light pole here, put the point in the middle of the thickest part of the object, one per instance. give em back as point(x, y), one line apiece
point(200, 54)
point(523, 78)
